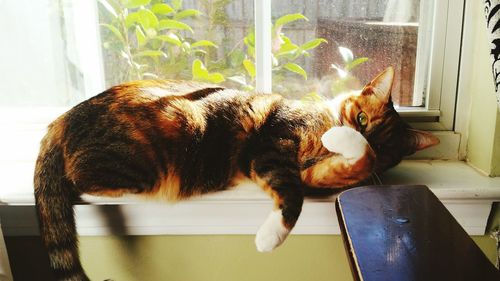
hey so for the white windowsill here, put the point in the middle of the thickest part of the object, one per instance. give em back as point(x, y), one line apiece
point(465, 192)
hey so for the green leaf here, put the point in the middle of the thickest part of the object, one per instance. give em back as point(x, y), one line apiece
point(150, 53)
point(204, 43)
point(288, 19)
point(115, 31)
point(249, 40)
point(200, 72)
point(285, 39)
point(130, 4)
point(293, 67)
point(287, 49)
point(350, 66)
point(186, 47)
point(141, 38)
point(170, 38)
point(251, 51)
point(250, 67)
point(145, 18)
point(313, 44)
point(177, 4)
point(109, 7)
point(187, 13)
point(199, 51)
point(173, 24)
point(236, 58)
point(198, 69)
point(312, 96)
point(215, 77)
point(131, 19)
point(162, 9)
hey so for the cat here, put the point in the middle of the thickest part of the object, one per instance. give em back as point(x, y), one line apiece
point(179, 139)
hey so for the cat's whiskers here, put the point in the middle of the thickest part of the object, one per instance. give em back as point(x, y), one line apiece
point(376, 178)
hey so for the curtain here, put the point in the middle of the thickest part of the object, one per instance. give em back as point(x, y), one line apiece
point(492, 10)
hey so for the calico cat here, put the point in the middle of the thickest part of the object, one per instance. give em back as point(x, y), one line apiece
point(177, 140)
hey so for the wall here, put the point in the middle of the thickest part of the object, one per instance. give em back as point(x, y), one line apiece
point(198, 258)
point(483, 148)
point(220, 258)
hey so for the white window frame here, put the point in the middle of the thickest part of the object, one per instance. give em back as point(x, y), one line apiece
point(440, 88)
point(439, 51)
point(440, 84)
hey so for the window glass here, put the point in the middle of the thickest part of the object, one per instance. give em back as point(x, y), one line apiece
point(32, 55)
point(61, 52)
point(333, 46)
point(210, 41)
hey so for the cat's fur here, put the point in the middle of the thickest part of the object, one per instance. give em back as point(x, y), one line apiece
point(180, 139)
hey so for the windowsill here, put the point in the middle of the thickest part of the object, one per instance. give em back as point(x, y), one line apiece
point(465, 192)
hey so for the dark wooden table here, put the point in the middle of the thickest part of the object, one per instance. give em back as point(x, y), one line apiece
point(405, 233)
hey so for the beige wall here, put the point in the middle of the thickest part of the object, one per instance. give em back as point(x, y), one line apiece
point(199, 258)
point(483, 148)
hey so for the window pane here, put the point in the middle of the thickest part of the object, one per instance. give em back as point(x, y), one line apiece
point(362, 37)
point(210, 41)
point(33, 61)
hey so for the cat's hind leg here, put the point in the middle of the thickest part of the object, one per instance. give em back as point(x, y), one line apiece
point(277, 172)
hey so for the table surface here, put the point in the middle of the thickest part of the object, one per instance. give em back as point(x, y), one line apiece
point(406, 233)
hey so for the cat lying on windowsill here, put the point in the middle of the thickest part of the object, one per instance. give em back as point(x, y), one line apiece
point(178, 139)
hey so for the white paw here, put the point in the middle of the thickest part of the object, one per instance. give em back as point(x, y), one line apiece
point(346, 141)
point(272, 233)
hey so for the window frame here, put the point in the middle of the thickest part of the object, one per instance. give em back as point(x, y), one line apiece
point(444, 66)
point(439, 85)
point(444, 98)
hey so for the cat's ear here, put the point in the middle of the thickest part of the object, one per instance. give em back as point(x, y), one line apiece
point(382, 84)
point(421, 140)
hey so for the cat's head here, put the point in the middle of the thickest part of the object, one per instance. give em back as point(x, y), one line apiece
point(372, 113)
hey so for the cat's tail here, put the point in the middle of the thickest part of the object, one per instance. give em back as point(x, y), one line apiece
point(54, 195)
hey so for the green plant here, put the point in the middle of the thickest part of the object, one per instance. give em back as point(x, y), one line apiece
point(152, 37)
point(156, 40)
point(344, 70)
point(285, 52)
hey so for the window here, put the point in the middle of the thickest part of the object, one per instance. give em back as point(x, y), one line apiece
point(361, 38)
point(64, 51)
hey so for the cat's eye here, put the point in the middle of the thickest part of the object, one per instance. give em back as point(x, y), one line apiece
point(362, 119)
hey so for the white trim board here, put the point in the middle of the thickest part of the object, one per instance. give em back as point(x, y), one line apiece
point(467, 194)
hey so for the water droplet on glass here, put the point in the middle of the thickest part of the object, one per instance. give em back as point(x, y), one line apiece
point(402, 220)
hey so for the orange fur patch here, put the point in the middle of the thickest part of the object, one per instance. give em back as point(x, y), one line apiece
point(336, 171)
point(258, 111)
point(267, 188)
point(167, 187)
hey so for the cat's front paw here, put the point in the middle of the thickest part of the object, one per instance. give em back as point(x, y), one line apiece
point(345, 141)
point(272, 233)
